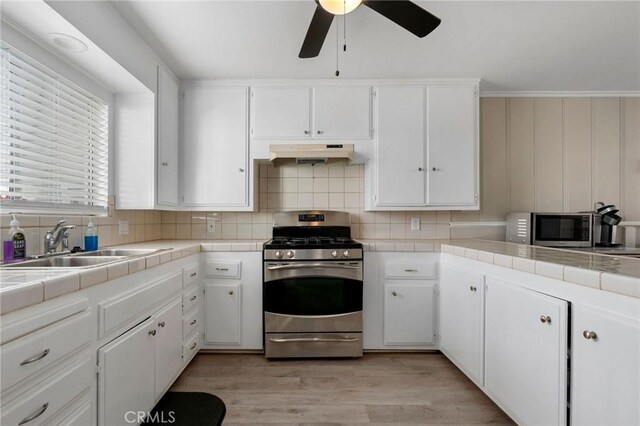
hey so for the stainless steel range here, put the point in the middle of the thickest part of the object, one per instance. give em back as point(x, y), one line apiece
point(312, 287)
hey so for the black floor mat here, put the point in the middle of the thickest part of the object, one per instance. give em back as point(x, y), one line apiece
point(187, 409)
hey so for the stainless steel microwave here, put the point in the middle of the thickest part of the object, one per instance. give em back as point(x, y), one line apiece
point(551, 229)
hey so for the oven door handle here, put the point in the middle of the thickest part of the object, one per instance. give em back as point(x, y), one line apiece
point(313, 339)
point(310, 266)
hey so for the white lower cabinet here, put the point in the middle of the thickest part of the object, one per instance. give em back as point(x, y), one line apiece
point(605, 367)
point(136, 368)
point(409, 313)
point(224, 313)
point(126, 377)
point(233, 301)
point(168, 346)
point(526, 353)
point(462, 320)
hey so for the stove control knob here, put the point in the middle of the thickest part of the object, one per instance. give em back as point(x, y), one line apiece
point(345, 253)
point(278, 254)
point(290, 254)
point(334, 253)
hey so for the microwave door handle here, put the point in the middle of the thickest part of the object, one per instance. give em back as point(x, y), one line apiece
point(310, 266)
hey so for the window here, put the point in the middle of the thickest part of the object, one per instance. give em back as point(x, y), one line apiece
point(54, 141)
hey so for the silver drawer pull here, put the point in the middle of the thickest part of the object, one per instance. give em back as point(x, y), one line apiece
point(165, 163)
point(152, 332)
point(35, 415)
point(192, 322)
point(161, 324)
point(314, 339)
point(395, 293)
point(35, 358)
point(193, 274)
point(590, 335)
point(193, 298)
point(222, 269)
point(411, 270)
point(193, 346)
point(230, 292)
point(473, 288)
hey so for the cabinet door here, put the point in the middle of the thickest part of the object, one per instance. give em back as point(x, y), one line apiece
point(126, 377)
point(408, 313)
point(342, 112)
point(452, 131)
point(168, 347)
point(605, 368)
point(400, 179)
point(281, 112)
point(462, 319)
point(525, 353)
point(222, 313)
point(215, 172)
point(167, 169)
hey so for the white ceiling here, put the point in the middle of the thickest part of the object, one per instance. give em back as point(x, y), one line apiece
point(513, 46)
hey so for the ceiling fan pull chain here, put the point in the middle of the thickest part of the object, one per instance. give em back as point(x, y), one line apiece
point(337, 49)
point(344, 32)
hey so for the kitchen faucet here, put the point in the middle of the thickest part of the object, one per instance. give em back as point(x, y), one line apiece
point(53, 239)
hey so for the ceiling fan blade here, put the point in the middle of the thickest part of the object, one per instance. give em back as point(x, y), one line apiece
point(408, 15)
point(317, 32)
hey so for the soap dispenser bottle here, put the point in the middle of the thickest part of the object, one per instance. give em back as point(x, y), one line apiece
point(91, 238)
point(15, 247)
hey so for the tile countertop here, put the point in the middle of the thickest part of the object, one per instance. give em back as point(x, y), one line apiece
point(20, 288)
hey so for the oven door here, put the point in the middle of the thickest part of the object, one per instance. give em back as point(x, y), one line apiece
point(312, 296)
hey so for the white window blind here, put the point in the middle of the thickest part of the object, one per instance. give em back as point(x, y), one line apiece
point(54, 146)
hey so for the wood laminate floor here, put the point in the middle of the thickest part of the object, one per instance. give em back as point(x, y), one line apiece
point(397, 388)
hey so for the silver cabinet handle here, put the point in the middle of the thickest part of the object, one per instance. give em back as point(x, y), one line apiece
point(313, 339)
point(161, 324)
point(241, 170)
point(36, 357)
point(193, 346)
point(193, 298)
point(411, 270)
point(319, 132)
point(231, 292)
point(306, 132)
point(152, 332)
point(473, 288)
point(434, 169)
point(395, 293)
point(420, 169)
point(35, 415)
point(590, 335)
point(222, 269)
point(192, 322)
point(545, 319)
point(165, 163)
point(193, 274)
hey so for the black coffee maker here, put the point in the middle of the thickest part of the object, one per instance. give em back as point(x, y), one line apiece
point(608, 219)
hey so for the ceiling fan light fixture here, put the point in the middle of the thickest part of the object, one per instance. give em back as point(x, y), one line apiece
point(339, 7)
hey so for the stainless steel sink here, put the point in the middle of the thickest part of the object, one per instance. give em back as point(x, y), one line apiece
point(65, 262)
point(119, 252)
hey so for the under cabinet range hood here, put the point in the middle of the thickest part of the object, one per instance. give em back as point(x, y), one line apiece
point(311, 153)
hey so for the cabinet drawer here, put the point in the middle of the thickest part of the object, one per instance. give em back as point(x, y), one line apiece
point(34, 352)
point(118, 312)
point(190, 348)
point(410, 270)
point(48, 398)
point(190, 323)
point(190, 275)
point(190, 299)
point(224, 269)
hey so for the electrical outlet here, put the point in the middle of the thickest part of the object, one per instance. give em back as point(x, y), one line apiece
point(211, 226)
point(123, 226)
point(415, 223)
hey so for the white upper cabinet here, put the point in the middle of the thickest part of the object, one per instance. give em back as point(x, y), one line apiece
point(304, 112)
point(215, 165)
point(342, 112)
point(281, 112)
point(452, 146)
point(167, 167)
point(427, 148)
point(400, 179)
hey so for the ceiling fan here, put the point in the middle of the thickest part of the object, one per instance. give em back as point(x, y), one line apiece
point(405, 13)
